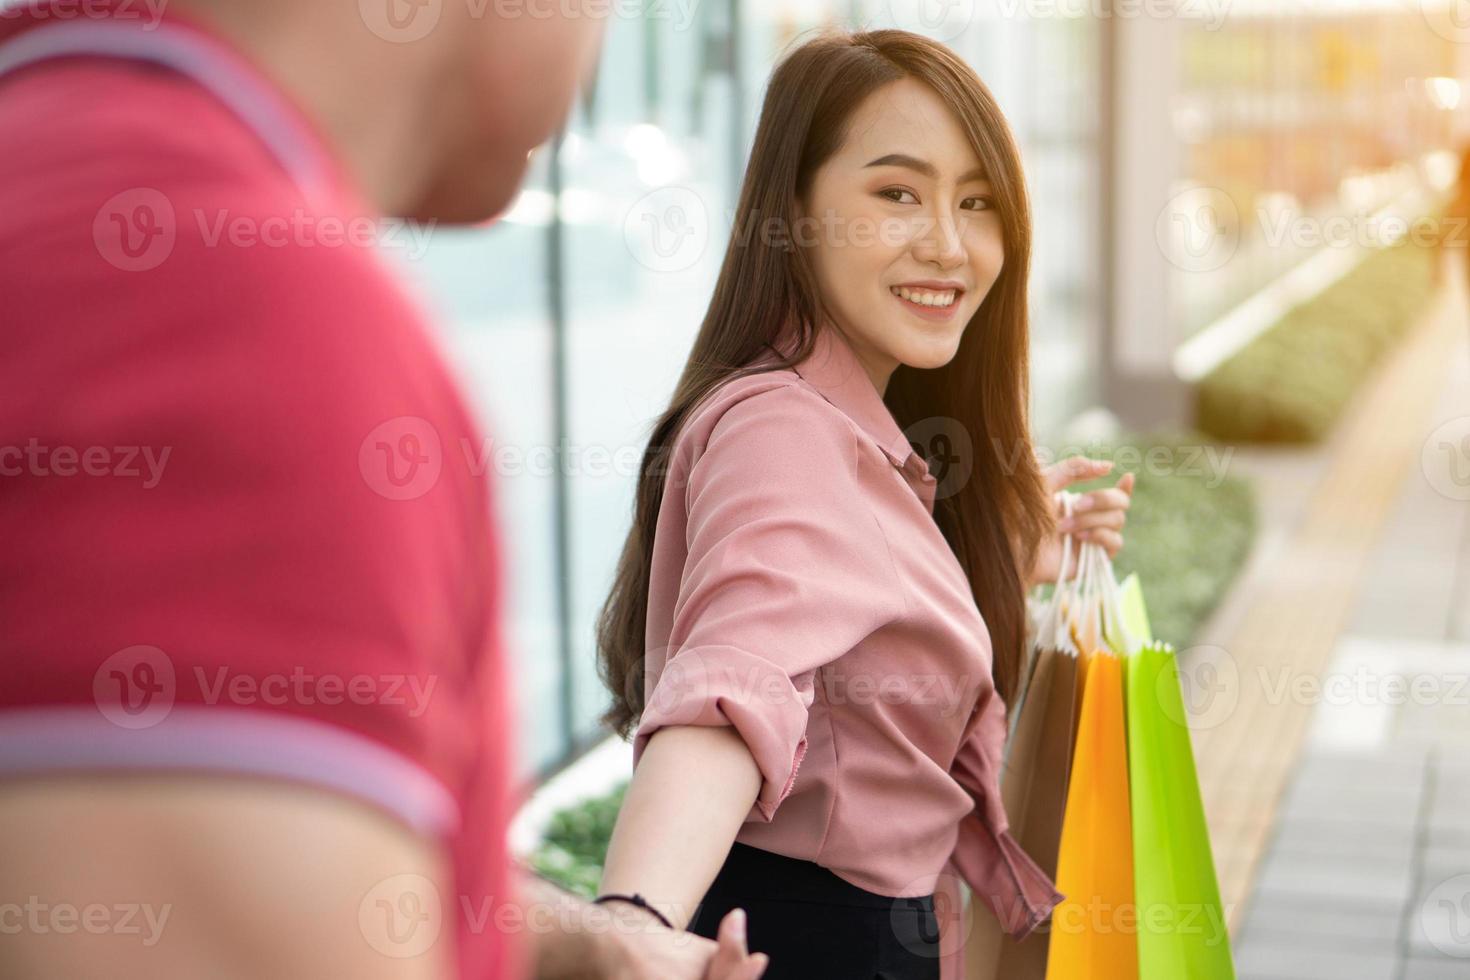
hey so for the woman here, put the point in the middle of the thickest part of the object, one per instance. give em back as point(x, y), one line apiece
point(798, 591)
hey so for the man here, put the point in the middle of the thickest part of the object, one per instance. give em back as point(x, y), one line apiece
point(254, 715)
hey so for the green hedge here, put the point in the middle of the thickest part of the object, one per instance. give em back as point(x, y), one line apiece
point(1290, 384)
point(575, 843)
point(1189, 531)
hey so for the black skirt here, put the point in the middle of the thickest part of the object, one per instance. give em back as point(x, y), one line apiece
point(814, 924)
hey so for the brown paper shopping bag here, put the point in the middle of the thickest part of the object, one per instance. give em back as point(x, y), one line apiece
point(1034, 791)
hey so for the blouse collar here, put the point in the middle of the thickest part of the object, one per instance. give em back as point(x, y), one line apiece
point(834, 370)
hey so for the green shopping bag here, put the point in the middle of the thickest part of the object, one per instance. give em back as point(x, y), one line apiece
point(1133, 611)
point(1182, 933)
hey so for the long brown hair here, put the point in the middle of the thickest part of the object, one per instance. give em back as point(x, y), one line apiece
point(1001, 513)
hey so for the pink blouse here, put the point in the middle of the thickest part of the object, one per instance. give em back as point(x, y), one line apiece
point(802, 593)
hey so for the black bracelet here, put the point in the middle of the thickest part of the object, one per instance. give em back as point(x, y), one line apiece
point(637, 900)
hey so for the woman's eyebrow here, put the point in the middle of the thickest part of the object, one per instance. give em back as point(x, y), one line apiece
point(921, 166)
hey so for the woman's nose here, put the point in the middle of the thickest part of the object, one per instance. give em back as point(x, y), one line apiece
point(940, 242)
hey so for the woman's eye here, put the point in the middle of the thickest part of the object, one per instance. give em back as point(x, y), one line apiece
point(897, 194)
point(984, 203)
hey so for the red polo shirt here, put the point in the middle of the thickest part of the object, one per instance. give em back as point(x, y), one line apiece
point(241, 535)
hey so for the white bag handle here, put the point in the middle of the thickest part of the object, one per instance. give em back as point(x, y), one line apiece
point(1054, 620)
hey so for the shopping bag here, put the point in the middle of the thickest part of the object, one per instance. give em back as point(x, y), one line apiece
point(1092, 936)
point(1033, 788)
point(1133, 611)
point(1182, 930)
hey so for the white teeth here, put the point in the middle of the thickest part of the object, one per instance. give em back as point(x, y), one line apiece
point(924, 298)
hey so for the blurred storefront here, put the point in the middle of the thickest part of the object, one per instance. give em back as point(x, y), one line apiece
point(571, 316)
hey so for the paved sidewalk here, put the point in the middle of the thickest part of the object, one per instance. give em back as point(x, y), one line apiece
point(1338, 776)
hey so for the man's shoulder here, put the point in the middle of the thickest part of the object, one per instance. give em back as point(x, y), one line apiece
point(137, 182)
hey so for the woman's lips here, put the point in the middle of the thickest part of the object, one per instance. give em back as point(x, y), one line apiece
point(925, 310)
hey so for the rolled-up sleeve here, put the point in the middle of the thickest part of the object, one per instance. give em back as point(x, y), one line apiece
point(990, 860)
point(787, 569)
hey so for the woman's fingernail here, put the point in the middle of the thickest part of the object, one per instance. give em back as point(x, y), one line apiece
point(739, 915)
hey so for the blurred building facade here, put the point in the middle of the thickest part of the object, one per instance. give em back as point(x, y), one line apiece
point(1160, 145)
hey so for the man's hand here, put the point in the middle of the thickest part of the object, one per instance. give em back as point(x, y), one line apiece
point(657, 952)
point(620, 941)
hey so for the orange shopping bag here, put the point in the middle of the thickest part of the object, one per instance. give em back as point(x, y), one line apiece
point(1093, 936)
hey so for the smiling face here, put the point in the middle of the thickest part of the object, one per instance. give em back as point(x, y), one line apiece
point(909, 242)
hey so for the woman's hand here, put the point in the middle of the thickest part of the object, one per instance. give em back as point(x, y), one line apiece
point(1097, 515)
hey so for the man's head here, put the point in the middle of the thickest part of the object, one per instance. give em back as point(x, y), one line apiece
point(513, 77)
point(434, 104)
